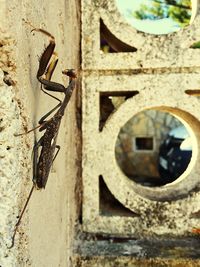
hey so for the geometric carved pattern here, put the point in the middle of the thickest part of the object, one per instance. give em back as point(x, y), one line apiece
point(161, 71)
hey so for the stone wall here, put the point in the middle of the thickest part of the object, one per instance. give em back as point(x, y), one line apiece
point(152, 72)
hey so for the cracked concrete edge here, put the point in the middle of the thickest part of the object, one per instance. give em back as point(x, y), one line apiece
point(15, 151)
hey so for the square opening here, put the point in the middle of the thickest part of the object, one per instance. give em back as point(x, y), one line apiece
point(144, 143)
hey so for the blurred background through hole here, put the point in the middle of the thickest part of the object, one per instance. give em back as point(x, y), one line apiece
point(153, 148)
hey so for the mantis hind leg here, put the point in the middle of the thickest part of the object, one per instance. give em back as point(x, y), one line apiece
point(20, 217)
point(56, 154)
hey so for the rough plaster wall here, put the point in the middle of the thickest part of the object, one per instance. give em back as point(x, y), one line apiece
point(46, 232)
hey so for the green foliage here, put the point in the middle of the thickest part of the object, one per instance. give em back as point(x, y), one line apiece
point(145, 12)
point(195, 45)
point(177, 10)
point(181, 15)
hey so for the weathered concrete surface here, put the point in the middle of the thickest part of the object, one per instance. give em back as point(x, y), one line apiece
point(132, 262)
point(160, 211)
point(160, 71)
point(115, 251)
point(46, 232)
point(153, 51)
point(14, 168)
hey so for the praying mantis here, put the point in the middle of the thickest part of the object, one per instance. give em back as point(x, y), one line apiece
point(42, 161)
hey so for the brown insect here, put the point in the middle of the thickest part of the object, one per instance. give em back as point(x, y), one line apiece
point(42, 162)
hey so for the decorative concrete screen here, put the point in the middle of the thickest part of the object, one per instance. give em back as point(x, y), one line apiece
point(144, 72)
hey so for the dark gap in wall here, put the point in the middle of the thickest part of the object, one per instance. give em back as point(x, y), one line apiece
point(8, 80)
point(109, 43)
point(195, 215)
point(126, 94)
point(107, 106)
point(109, 205)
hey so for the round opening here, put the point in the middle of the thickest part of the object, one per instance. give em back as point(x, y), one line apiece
point(158, 16)
point(153, 148)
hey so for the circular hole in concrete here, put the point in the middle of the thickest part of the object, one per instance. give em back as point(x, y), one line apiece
point(158, 16)
point(153, 148)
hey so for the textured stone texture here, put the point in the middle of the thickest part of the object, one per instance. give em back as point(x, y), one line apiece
point(132, 262)
point(14, 167)
point(46, 233)
point(99, 156)
point(158, 51)
point(160, 71)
